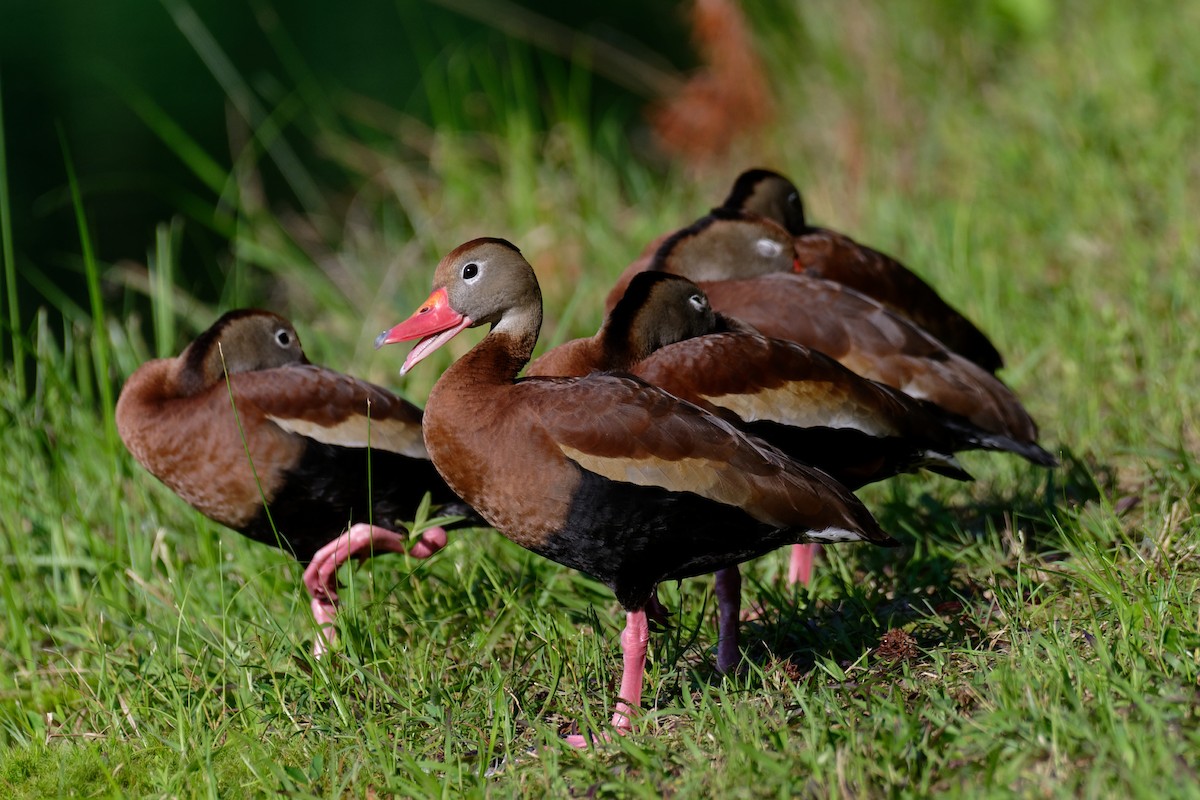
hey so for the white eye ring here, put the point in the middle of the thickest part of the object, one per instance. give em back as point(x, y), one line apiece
point(768, 248)
point(283, 338)
point(699, 302)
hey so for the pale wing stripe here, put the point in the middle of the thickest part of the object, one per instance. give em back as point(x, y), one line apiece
point(697, 475)
point(405, 440)
point(780, 405)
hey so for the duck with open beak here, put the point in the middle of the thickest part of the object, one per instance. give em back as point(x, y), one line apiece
point(605, 474)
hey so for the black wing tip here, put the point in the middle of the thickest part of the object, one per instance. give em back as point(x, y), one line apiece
point(1039, 455)
point(948, 471)
point(1032, 452)
point(974, 437)
point(985, 355)
point(888, 540)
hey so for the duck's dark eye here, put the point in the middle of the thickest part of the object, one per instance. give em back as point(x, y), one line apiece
point(793, 198)
point(699, 302)
point(283, 338)
point(470, 271)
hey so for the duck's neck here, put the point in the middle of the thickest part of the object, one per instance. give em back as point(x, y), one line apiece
point(617, 348)
point(502, 353)
point(196, 369)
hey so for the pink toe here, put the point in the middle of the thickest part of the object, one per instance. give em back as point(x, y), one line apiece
point(428, 543)
point(581, 742)
point(323, 612)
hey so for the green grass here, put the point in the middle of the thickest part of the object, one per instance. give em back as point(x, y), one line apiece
point(1039, 635)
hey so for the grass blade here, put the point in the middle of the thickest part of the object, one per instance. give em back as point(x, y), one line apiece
point(10, 265)
point(100, 344)
point(162, 285)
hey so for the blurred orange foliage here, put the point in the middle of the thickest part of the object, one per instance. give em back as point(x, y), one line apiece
point(727, 98)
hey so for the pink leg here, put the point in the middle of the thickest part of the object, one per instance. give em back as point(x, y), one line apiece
point(801, 569)
point(634, 640)
point(323, 612)
point(729, 602)
point(361, 541)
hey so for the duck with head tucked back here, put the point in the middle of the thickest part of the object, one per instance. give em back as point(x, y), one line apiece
point(744, 264)
point(253, 436)
point(605, 473)
point(825, 253)
point(664, 331)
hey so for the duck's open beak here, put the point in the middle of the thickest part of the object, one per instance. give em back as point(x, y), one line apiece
point(434, 323)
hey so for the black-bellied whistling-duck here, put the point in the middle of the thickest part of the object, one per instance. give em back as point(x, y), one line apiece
point(664, 331)
point(605, 474)
point(306, 430)
point(834, 256)
point(743, 263)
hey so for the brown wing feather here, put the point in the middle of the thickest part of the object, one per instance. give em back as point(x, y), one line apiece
point(333, 408)
point(627, 430)
point(769, 379)
point(867, 338)
point(836, 257)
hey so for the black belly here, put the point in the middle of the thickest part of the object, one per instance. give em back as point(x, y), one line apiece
point(852, 457)
point(328, 491)
point(633, 537)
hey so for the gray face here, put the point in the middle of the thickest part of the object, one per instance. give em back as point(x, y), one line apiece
point(484, 278)
point(676, 310)
point(689, 314)
point(259, 342)
point(241, 341)
point(730, 249)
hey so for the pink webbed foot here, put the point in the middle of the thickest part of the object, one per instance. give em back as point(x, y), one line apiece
point(634, 641)
point(362, 541)
point(800, 568)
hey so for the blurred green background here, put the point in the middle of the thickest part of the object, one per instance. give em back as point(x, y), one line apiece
point(98, 71)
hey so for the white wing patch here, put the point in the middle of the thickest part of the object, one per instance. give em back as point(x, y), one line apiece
point(798, 408)
point(835, 535)
point(403, 439)
point(700, 476)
